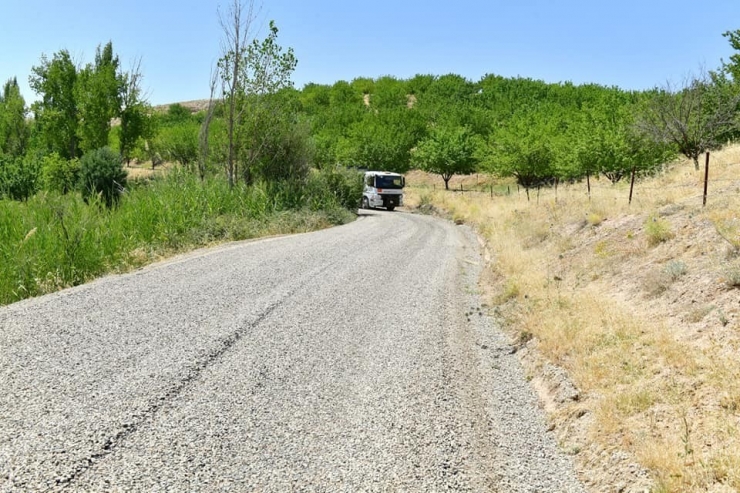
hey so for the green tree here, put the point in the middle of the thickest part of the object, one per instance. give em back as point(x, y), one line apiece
point(525, 147)
point(605, 141)
point(179, 142)
point(57, 113)
point(14, 130)
point(447, 151)
point(98, 97)
point(389, 92)
point(176, 113)
point(362, 85)
point(250, 72)
point(419, 84)
point(136, 121)
point(698, 117)
point(382, 140)
point(733, 67)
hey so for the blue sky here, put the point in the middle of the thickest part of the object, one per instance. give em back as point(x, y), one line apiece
point(633, 44)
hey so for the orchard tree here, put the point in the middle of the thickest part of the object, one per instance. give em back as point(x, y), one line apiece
point(698, 117)
point(525, 147)
point(14, 130)
point(179, 142)
point(57, 114)
point(419, 84)
point(447, 151)
point(389, 92)
point(383, 140)
point(600, 139)
point(610, 145)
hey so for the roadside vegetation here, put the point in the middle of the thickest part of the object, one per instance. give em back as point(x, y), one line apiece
point(53, 241)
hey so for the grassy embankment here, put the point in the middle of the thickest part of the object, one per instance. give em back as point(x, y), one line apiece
point(638, 307)
point(52, 241)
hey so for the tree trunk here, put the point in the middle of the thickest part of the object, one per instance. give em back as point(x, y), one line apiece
point(447, 182)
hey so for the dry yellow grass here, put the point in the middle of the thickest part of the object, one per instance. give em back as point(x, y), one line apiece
point(612, 294)
point(138, 171)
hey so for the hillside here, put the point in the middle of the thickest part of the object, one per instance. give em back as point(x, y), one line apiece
point(627, 317)
point(194, 106)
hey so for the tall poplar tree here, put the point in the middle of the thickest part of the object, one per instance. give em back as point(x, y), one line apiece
point(98, 95)
point(14, 130)
point(57, 113)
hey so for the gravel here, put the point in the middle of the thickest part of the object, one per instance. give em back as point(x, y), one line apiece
point(358, 358)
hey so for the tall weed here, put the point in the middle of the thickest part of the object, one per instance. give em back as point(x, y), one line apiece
point(54, 241)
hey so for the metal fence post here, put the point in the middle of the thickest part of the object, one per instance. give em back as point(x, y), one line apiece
point(706, 180)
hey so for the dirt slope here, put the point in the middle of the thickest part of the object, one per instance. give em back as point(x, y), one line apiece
point(628, 316)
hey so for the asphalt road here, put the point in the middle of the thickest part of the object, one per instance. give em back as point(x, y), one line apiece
point(358, 358)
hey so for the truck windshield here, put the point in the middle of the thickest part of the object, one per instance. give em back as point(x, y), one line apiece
point(390, 182)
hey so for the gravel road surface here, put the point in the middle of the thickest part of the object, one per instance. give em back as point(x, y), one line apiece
point(353, 359)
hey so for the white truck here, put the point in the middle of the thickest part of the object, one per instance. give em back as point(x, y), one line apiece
point(383, 189)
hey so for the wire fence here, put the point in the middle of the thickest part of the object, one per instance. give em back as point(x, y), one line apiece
point(706, 186)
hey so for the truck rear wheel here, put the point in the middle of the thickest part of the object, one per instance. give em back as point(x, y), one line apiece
point(391, 207)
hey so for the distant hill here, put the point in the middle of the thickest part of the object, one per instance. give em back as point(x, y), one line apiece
point(194, 106)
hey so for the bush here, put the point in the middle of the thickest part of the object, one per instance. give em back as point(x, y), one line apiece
point(59, 174)
point(657, 230)
point(283, 152)
point(675, 269)
point(334, 186)
point(732, 275)
point(102, 174)
point(19, 177)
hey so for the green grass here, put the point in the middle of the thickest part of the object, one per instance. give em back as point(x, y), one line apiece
point(55, 241)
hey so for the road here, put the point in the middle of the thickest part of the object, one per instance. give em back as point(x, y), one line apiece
point(358, 358)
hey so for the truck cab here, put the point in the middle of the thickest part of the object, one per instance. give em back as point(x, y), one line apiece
point(383, 189)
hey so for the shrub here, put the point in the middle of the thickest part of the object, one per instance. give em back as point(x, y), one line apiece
point(334, 186)
point(657, 230)
point(282, 153)
point(19, 177)
point(732, 275)
point(346, 185)
point(59, 174)
point(675, 269)
point(594, 219)
point(102, 174)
